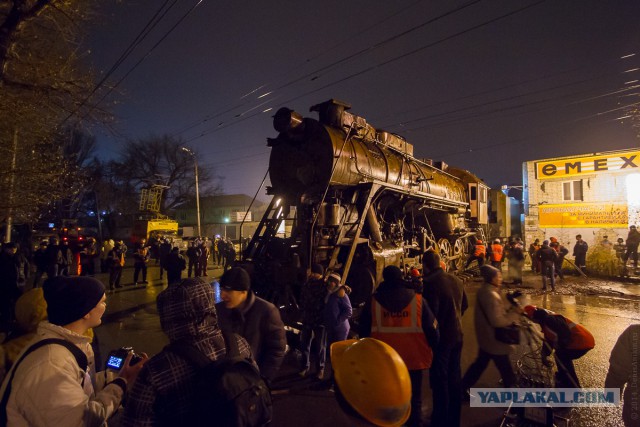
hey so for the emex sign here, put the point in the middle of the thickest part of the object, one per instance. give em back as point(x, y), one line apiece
point(574, 166)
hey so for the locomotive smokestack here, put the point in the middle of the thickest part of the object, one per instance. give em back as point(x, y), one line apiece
point(286, 120)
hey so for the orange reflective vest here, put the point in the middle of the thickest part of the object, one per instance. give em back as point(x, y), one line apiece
point(581, 338)
point(480, 250)
point(402, 330)
point(496, 252)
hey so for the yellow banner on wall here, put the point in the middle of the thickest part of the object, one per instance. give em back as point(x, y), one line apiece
point(576, 166)
point(583, 215)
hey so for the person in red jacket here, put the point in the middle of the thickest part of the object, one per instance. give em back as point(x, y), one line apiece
point(570, 341)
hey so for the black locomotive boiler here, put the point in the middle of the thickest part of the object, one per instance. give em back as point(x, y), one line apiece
point(354, 199)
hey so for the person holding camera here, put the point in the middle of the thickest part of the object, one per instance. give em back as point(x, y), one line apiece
point(51, 384)
point(490, 313)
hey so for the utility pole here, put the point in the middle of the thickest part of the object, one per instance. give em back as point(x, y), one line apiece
point(12, 182)
point(195, 162)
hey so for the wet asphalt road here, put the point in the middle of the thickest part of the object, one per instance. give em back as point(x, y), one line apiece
point(131, 320)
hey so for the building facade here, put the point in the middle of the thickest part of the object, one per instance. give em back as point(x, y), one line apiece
point(222, 215)
point(594, 195)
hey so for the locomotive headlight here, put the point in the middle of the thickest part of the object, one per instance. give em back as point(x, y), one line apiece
point(286, 120)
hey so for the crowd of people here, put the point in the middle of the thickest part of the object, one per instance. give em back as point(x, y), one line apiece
point(547, 258)
point(58, 359)
point(22, 269)
point(416, 313)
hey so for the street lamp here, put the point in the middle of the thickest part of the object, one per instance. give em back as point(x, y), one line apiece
point(195, 162)
point(226, 221)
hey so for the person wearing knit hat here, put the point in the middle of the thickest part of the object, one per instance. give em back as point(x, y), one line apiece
point(312, 307)
point(255, 319)
point(54, 388)
point(71, 298)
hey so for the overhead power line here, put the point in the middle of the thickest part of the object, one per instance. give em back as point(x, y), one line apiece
point(368, 69)
point(333, 64)
point(145, 56)
point(155, 19)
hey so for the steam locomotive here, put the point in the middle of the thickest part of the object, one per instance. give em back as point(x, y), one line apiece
point(354, 199)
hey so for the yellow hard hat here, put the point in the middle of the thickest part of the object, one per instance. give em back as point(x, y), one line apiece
point(373, 379)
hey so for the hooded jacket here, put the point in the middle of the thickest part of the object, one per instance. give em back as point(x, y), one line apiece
point(47, 387)
point(164, 388)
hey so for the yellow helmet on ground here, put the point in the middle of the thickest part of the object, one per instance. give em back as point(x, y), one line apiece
point(373, 379)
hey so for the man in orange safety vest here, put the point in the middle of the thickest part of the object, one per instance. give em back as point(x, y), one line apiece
point(496, 254)
point(479, 253)
point(399, 317)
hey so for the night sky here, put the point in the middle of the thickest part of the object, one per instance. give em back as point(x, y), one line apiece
point(483, 85)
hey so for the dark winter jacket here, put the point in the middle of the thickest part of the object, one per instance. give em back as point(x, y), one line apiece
point(633, 238)
point(9, 274)
point(40, 259)
point(395, 297)
point(165, 250)
point(193, 253)
point(53, 255)
point(312, 302)
point(580, 249)
point(259, 322)
point(174, 263)
point(448, 301)
point(546, 254)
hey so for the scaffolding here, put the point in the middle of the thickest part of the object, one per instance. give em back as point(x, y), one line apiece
point(151, 200)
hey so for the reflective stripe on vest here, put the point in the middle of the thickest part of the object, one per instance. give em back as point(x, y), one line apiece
point(403, 331)
point(378, 324)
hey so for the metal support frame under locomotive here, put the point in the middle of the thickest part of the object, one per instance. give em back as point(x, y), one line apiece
point(356, 200)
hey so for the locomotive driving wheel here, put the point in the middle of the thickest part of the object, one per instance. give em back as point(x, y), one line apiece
point(458, 254)
point(445, 251)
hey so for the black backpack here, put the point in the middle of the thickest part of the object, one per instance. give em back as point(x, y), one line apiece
point(229, 392)
point(81, 360)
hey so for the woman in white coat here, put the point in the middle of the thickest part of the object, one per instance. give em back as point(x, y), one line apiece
point(49, 386)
